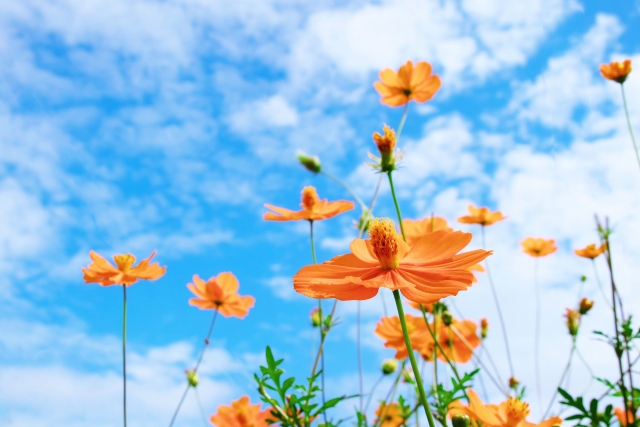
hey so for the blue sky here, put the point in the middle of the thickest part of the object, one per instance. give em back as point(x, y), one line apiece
point(133, 126)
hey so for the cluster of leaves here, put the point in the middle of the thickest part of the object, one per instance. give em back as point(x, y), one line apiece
point(293, 405)
point(444, 398)
point(586, 417)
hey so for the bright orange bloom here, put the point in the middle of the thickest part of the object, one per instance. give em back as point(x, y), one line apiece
point(220, 293)
point(390, 330)
point(616, 71)
point(415, 229)
point(511, 413)
point(102, 272)
point(429, 270)
point(591, 251)
point(408, 84)
point(454, 347)
point(482, 216)
point(622, 417)
point(240, 414)
point(313, 209)
point(538, 247)
point(391, 415)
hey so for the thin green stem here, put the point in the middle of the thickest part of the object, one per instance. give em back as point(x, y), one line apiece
point(604, 294)
point(359, 348)
point(402, 121)
point(202, 414)
point(390, 395)
point(503, 326)
point(562, 377)
point(373, 389)
point(536, 349)
point(626, 112)
point(124, 352)
point(395, 202)
point(343, 185)
point(313, 246)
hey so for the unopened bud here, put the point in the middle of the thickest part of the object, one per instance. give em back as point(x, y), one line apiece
point(386, 144)
point(585, 305)
point(583, 278)
point(447, 318)
point(389, 366)
point(407, 376)
point(316, 318)
point(514, 383)
point(460, 420)
point(484, 327)
point(573, 321)
point(311, 163)
point(365, 219)
point(192, 378)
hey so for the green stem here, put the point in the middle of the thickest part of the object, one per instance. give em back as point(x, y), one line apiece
point(395, 202)
point(604, 294)
point(626, 112)
point(202, 414)
point(402, 120)
point(564, 374)
point(124, 352)
point(343, 185)
point(373, 389)
point(536, 350)
point(390, 395)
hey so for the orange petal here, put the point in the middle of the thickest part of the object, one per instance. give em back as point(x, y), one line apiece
point(436, 246)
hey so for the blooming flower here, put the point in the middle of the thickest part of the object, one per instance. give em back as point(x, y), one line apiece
point(240, 414)
point(390, 330)
point(220, 293)
point(538, 247)
point(391, 415)
point(409, 83)
point(511, 413)
point(591, 251)
point(616, 71)
point(415, 229)
point(482, 216)
point(313, 209)
point(429, 270)
point(123, 273)
point(455, 348)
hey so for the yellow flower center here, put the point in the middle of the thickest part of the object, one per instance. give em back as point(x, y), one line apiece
point(384, 241)
point(517, 411)
point(124, 262)
point(387, 142)
point(309, 198)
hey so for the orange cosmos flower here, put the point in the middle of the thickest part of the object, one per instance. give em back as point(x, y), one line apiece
point(616, 71)
point(538, 247)
point(454, 346)
point(511, 413)
point(220, 293)
point(591, 251)
point(429, 270)
point(313, 209)
point(408, 84)
point(415, 229)
point(240, 414)
point(622, 416)
point(391, 415)
point(102, 272)
point(390, 330)
point(482, 216)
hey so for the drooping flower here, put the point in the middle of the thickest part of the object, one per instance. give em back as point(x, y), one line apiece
point(408, 84)
point(616, 71)
point(415, 229)
point(482, 216)
point(591, 251)
point(573, 321)
point(622, 416)
point(240, 414)
point(310, 163)
point(220, 293)
point(102, 272)
point(429, 270)
point(389, 415)
point(484, 327)
point(585, 305)
point(390, 330)
point(313, 209)
point(538, 247)
point(456, 348)
point(511, 413)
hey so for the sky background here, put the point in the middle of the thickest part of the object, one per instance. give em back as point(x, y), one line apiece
point(128, 126)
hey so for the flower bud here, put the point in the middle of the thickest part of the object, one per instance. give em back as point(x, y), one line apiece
point(192, 378)
point(365, 219)
point(386, 145)
point(514, 383)
point(447, 318)
point(316, 318)
point(311, 163)
point(585, 305)
point(573, 321)
point(407, 376)
point(460, 420)
point(389, 366)
point(484, 328)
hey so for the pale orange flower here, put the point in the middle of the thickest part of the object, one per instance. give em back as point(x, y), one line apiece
point(429, 270)
point(313, 209)
point(538, 247)
point(591, 251)
point(391, 415)
point(415, 229)
point(220, 293)
point(390, 330)
point(408, 84)
point(482, 216)
point(240, 414)
point(622, 416)
point(102, 272)
point(616, 71)
point(454, 347)
point(511, 413)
